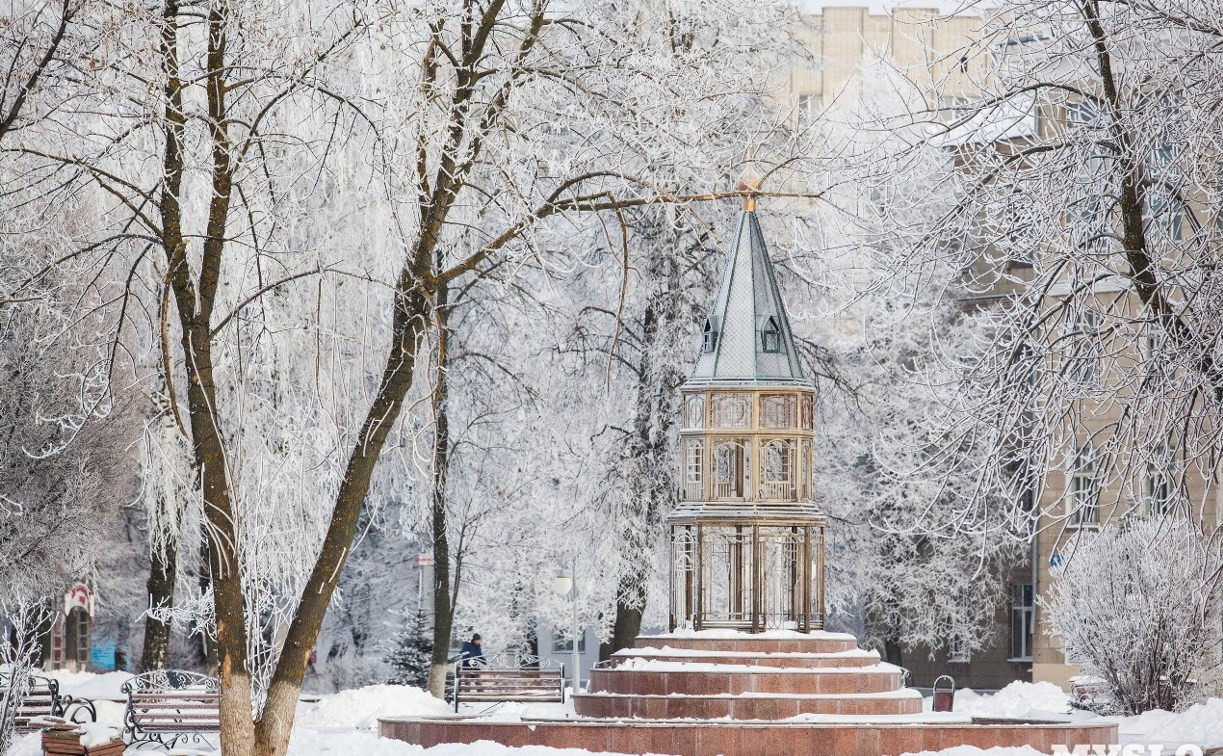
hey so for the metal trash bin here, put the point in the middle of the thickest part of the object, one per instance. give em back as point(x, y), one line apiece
point(944, 697)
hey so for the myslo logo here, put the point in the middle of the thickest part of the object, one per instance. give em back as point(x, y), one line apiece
point(1129, 749)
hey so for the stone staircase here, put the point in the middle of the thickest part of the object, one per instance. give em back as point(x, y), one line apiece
point(734, 694)
point(717, 675)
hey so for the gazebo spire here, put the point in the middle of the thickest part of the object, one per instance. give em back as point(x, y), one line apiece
point(747, 540)
point(747, 334)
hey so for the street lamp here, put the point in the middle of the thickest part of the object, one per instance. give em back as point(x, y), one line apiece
point(567, 585)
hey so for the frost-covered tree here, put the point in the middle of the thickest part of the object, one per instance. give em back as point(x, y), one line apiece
point(19, 651)
point(64, 463)
point(449, 136)
point(1087, 199)
point(894, 343)
point(37, 42)
point(1140, 604)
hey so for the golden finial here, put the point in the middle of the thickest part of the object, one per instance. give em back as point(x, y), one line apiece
point(751, 186)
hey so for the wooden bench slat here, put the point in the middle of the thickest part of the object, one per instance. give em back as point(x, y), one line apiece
point(497, 684)
point(159, 712)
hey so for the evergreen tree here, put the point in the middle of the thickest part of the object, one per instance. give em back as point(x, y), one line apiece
point(411, 653)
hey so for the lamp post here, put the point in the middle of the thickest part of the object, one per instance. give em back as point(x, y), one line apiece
point(568, 586)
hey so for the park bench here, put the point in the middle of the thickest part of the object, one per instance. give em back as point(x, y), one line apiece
point(41, 702)
point(169, 706)
point(508, 677)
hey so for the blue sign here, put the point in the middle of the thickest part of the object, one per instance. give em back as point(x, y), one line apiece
point(1056, 560)
point(102, 655)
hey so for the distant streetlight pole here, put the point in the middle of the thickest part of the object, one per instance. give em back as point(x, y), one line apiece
point(422, 561)
point(568, 586)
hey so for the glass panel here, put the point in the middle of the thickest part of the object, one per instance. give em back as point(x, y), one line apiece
point(561, 642)
point(693, 464)
point(683, 604)
point(778, 411)
point(777, 470)
point(808, 412)
point(782, 557)
point(726, 583)
point(728, 470)
point(804, 476)
point(1085, 488)
point(694, 414)
point(731, 411)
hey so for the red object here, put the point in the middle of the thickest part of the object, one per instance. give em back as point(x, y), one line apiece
point(944, 698)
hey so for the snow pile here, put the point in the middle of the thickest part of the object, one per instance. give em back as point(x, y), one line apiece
point(1019, 700)
point(96, 734)
point(518, 711)
point(310, 743)
point(30, 744)
point(26, 745)
point(1201, 725)
point(92, 686)
point(362, 707)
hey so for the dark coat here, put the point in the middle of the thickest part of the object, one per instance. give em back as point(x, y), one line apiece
point(472, 655)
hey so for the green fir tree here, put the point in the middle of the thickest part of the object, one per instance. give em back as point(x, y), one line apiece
point(411, 653)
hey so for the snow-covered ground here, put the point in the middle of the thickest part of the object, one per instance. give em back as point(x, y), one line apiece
point(1019, 700)
point(345, 724)
point(1200, 725)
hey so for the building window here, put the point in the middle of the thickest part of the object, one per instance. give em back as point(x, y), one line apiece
point(957, 650)
point(693, 454)
point(778, 411)
point(731, 410)
point(1156, 493)
point(810, 106)
point(1086, 369)
point(770, 336)
point(957, 643)
point(952, 108)
point(709, 341)
point(804, 477)
point(1022, 614)
point(777, 470)
point(695, 411)
point(1084, 488)
point(562, 643)
point(728, 470)
point(1163, 213)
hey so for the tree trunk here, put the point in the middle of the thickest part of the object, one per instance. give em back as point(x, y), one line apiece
point(630, 604)
point(411, 319)
point(651, 453)
point(443, 606)
point(163, 572)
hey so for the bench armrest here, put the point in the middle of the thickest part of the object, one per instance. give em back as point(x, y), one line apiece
point(75, 709)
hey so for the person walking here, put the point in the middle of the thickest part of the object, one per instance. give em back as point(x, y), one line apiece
point(472, 654)
point(471, 659)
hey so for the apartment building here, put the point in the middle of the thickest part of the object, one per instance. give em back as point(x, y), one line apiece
point(927, 50)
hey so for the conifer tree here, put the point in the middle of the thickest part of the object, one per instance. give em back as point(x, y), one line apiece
point(411, 653)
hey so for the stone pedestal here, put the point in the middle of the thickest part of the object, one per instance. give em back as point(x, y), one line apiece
point(720, 692)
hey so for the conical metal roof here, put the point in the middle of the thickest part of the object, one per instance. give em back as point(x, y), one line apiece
point(747, 336)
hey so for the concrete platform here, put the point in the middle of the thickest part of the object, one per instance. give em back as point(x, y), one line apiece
point(722, 692)
point(691, 738)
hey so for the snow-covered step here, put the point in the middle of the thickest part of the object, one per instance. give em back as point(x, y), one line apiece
point(852, 658)
point(745, 706)
point(775, 641)
point(653, 677)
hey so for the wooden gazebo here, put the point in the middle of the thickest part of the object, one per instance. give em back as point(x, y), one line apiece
point(747, 541)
